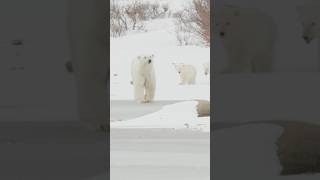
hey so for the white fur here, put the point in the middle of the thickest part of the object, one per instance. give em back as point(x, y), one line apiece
point(143, 79)
point(249, 39)
point(187, 73)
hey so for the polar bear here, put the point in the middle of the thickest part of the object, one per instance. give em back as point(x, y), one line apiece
point(248, 37)
point(309, 16)
point(143, 78)
point(206, 68)
point(187, 73)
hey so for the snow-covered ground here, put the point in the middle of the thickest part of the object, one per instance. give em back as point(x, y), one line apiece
point(159, 154)
point(182, 115)
point(159, 38)
point(164, 139)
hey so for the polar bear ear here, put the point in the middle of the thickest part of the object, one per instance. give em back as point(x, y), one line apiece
point(152, 56)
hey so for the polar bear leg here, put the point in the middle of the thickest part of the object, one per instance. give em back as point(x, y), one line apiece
point(149, 91)
point(139, 92)
point(193, 79)
point(182, 81)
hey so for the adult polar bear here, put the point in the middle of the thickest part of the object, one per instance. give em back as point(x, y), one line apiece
point(143, 78)
point(248, 36)
point(88, 46)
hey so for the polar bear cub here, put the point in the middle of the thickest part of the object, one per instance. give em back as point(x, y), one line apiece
point(143, 78)
point(206, 68)
point(187, 73)
point(309, 16)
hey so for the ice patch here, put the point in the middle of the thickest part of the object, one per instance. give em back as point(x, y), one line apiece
point(181, 115)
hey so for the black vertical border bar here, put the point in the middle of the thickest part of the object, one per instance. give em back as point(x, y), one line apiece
point(108, 84)
point(105, 41)
point(211, 83)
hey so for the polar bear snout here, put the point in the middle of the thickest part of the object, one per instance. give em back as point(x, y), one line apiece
point(307, 39)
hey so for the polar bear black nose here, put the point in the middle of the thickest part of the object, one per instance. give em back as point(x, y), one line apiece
point(222, 33)
point(149, 61)
point(306, 39)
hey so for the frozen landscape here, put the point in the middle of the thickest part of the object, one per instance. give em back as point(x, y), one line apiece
point(164, 139)
point(159, 38)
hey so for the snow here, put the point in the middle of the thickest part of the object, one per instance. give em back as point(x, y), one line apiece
point(182, 115)
point(164, 139)
point(160, 40)
point(158, 154)
point(174, 5)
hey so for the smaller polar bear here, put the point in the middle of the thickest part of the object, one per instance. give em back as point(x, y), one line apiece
point(248, 36)
point(187, 73)
point(206, 68)
point(309, 16)
point(143, 78)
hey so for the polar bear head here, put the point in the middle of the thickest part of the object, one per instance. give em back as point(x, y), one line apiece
point(310, 19)
point(225, 19)
point(179, 67)
point(146, 61)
